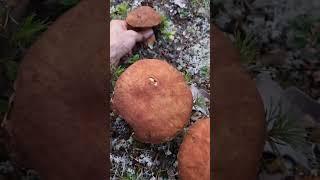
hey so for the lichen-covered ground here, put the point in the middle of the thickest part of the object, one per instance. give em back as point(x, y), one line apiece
point(183, 41)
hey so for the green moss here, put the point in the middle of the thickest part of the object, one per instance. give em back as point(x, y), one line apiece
point(120, 11)
point(166, 28)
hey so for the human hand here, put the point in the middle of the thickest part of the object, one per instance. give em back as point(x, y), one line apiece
point(123, 40)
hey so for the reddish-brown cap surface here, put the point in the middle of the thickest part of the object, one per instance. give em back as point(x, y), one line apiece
point(143, 17)
point(153, 97)
point(194, 152)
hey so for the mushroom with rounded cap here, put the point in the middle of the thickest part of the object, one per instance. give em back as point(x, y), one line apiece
point(194, 152)
point(154, 99)
point(143, 17)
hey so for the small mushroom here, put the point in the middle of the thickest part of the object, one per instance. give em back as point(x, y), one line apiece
point(194, 152)
point(153, 97)
point(142, 18)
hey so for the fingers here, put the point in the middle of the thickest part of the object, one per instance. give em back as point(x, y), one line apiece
point(136, 36)
point(140, 36)
point(118, 24)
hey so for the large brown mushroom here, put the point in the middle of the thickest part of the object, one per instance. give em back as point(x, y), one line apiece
point(153, 97)
point(194, 152)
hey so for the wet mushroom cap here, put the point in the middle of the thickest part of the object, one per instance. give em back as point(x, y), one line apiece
point(154, 99)
point(194, 152)
point(143, 17)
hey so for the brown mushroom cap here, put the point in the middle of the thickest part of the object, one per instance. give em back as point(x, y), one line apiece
point(194, 152)
point(153, 97)
point(143, 17)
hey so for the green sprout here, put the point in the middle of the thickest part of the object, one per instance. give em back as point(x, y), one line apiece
point(187, 77)
point(204, 71)
point(28, 31)
point(134, 59)
point(117, 73)
point(120, 11)
point(247, 46)
point(283, 131)
point(200, 101)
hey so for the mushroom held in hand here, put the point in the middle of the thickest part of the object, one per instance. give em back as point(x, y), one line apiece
point(143, 17)
point(194, 152)
point(153, 97)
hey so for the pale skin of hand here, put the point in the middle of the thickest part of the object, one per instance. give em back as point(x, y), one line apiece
point(123, 40)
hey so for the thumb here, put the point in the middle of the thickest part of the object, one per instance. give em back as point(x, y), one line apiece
point(135, 35)
point(147, 33)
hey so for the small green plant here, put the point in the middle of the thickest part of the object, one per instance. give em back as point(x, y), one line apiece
point(247, 47)
point(134, 58)
point(120, 11)
point(132, 176)
point(28, 31)
point(187, 77)
point(117, 72)
point(204, 71)
point(183, 13)
point(166, 28)
point(282, 130)
point(200, 101)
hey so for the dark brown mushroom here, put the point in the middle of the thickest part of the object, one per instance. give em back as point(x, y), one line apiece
point(153, 97)
point(143, 17)
point(239, 117)
point(194, 152)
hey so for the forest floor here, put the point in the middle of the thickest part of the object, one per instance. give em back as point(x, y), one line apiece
point(183, 41)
